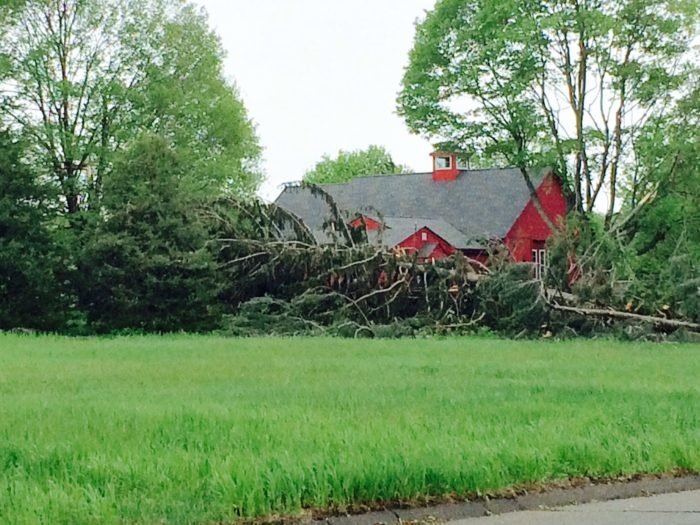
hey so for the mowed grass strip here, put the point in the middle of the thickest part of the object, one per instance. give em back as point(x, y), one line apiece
point(187, 429)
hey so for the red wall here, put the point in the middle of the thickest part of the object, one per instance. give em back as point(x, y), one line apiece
point(415, 242)
point(529, 227)
point(528, 230)
point(445, 175)
point(370, 224)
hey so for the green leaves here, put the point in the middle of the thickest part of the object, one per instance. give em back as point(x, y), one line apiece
point(147, 266)
point(667, 234)
point(88, 77)
point(201, 112)
point(514, 79)
point(466, 82)
point(125, 110)
point(32, 264)
point(375, 160)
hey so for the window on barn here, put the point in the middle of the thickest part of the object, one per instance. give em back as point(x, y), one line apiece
point(462, 164)
point(540, 259)
point(424, 236)
point(443, 163)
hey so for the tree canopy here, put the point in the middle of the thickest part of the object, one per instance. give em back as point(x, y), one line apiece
point(148, 265)
point(82, 79)
point(122, 130)
point(565, 83)
point(347, 165)
point(128, 166)
point(32, 261)
point(666, 241)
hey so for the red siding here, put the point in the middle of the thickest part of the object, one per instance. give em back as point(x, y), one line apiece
point(415, 242)
point(370, 224)
point(445, 175)
point(528, 231)
point(529, 228)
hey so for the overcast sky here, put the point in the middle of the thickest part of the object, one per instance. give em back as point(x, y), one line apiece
point(318, 76)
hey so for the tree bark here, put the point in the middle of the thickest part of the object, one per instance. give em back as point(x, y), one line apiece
point(616, 314)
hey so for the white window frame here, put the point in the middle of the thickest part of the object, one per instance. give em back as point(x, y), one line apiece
point(424, 236)
point(462, 164)
point(540, 259)
point(449, 162)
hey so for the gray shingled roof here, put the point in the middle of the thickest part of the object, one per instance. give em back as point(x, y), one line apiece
point(480, 204)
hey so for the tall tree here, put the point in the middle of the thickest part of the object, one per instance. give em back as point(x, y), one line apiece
point(82, 78)
point(569, 83)
point(32, 265)
point(666, 233)
point(185, 96)
point(375, 160)
point(70, 62)
point(148, 265)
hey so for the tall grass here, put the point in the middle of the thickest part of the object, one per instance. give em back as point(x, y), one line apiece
point(201, 429)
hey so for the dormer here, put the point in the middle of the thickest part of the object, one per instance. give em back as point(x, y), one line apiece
point(446, 166)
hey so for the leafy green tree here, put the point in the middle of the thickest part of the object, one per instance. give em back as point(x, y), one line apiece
point(32, 265)
point(148, 266)
point(375, 160)
point(70, 63)
point(202, 112)
point(559, 82)
point(81, 79)
point(666, 233)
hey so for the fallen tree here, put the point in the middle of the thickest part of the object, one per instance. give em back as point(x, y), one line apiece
point(281, 280)
point(609, 313)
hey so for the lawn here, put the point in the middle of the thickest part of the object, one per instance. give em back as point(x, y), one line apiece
point(186, 429)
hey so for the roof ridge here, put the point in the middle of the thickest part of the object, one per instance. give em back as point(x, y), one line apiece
point(376, 176)
point(422, 173)
point(503, 168)
point(433, 219)
point(415, 174)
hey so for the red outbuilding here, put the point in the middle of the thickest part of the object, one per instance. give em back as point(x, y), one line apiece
point(437, 213)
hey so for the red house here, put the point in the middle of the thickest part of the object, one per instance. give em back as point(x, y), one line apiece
point(449, 209)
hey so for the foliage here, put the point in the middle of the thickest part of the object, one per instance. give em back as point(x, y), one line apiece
point(202, 113)
point(512, 303)
point(127, 204)
point(566, 84)
point(130, 125)
point(85, 78)
point(667, 232)
point(147, 265)
point(375, 160)
point(186, 429)
point(32, 266)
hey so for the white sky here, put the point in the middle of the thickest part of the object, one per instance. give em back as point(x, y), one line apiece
point(318, 76)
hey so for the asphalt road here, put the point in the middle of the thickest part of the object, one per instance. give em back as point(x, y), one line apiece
point(668, 509)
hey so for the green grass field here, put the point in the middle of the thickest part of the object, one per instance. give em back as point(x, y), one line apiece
point(187, 429)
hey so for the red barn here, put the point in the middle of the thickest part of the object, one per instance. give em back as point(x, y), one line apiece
point(437, 213)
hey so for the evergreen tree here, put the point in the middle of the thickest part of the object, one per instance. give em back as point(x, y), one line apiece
point(32, 267)
point(147, 266)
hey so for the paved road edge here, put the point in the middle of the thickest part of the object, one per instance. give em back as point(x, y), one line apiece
point(534, 501)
